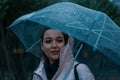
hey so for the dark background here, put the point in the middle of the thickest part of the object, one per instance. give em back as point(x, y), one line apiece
point(16, 64)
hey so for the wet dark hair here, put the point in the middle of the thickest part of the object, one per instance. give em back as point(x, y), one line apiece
point(65, 35)
point(42, 35)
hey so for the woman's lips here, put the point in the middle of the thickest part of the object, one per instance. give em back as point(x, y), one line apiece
point(55, 52)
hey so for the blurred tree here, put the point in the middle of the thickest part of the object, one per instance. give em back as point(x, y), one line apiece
point(12, 9)
point(9, 11)
point(9, 44)
point(115, 2)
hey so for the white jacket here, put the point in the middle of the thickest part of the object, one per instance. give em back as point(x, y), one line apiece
point(65, 59)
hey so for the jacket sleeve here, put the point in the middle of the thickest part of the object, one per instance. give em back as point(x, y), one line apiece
point(84, 72)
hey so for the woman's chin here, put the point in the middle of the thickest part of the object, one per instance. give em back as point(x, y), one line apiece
point(54, 58)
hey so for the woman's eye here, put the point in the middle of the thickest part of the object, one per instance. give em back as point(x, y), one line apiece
point(59, 40)
point(48, 41)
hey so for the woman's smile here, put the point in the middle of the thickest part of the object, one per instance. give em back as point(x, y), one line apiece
point(53, 41)
point(55, 52)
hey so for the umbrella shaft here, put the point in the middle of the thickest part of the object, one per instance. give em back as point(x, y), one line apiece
point(72, 63)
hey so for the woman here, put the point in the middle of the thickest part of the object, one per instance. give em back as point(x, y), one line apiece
point(57, 49)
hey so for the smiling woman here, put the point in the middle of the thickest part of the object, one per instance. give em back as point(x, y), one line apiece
point(57, 50)
point(53, 41)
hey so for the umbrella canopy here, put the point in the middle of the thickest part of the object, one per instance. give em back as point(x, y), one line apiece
point(92, 27)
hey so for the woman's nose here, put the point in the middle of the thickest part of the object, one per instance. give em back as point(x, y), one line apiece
point(54, 44)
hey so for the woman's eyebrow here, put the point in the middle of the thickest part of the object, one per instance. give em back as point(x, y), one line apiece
point(47, 38)
point(59, 37)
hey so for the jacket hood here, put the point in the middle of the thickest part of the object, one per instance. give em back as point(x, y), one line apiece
point(66, 54)
point(65, 59)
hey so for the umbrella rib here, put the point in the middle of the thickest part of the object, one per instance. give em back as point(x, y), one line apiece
point(81, 28)
point(99, 35)
point(21, 19)
point(114, 24)
point(105, 30)
point(106, 38)
point(33, 45)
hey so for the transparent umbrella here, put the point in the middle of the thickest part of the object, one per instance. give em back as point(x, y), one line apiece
point(92, 27)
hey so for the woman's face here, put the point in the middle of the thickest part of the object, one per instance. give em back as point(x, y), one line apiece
point(53, 41)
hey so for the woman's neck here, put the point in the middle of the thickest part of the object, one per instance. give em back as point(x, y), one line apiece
point(53, 61)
